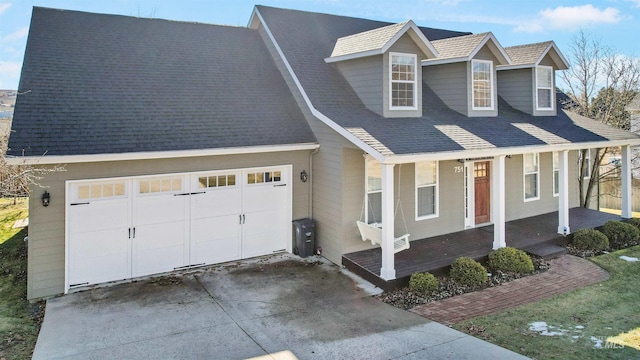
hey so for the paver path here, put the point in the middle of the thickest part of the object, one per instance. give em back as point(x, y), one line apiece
point(567, 273)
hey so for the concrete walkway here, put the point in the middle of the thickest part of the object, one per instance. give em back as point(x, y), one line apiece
point(281, 305)
point(567, 273)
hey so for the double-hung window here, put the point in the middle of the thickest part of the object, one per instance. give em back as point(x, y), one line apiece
point(544, 88)
point(531, 167)
point(374, 191)
point(482, 94)
point(403, 81)
point(426, 189)
point(556, 174)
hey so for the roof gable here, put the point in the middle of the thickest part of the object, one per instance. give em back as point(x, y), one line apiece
point(378, 41)
point(530, 55)
point(464, 48)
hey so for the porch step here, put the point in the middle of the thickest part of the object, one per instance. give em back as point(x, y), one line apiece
point(545, 250)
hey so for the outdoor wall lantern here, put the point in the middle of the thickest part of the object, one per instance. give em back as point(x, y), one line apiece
point(46, 198)
point(304, 176)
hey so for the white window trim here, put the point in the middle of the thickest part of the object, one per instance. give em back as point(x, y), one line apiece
point(588, 163)
point(552, 96)
point(414, 82)
point(436, 193)
point(491, 80)
point(556, 169)
point(524, 178)
point(367, 192)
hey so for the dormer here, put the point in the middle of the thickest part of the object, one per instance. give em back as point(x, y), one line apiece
point(528, 83)
point(464, 73)
point(383, 67)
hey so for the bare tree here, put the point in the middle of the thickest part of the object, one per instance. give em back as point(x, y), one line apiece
point(16, 179)
point(600, 85)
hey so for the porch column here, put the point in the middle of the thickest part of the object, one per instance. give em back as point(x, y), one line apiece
point(626, 181)
point(563, 193)
point(498, 202)
point(388, 271)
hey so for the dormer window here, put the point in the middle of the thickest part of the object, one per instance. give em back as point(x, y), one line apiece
point(402, 81)
point(482, 84)
point(544, 88)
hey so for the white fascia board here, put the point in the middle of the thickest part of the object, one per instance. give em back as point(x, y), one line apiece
point(353, 56)
point(429, 62)
point(339, 129)
point(472, 154)
point(68, 159)
point(426, 46)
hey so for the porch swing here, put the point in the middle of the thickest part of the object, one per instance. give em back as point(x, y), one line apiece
point(373, 232)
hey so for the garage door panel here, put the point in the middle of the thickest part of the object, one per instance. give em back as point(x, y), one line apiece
point(158, 248)
point(99, 215)
point(263, 198)
point(215, 240)
point(99, 256)
point(157, 209)
point(264, 233)
point(216, 203)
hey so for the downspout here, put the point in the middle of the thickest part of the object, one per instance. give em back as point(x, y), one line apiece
point(315, 151)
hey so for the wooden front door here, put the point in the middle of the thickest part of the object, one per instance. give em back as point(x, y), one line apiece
point(481, 175)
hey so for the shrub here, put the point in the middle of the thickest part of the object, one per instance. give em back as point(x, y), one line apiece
point(620, 234)
point(635, 222)
point(466, 271)
point(423, 283)
point(512, 260)
point(590, 239)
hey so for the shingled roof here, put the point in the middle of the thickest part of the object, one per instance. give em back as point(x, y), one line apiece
point(532, 54)
point(307, 38)
point(94, 84)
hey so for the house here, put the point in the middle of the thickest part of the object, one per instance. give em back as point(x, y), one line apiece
point(450, 130)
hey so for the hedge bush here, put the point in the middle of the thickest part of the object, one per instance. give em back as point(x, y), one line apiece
point(510, 260)
point(620, 235)
point(466, 271)
point(423, 283)
point(635, 222)
point(590, 239)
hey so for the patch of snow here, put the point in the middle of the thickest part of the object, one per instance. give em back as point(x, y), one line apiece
point(630, 259)
point(542, 328)
point(580, 327)
point(597, 342)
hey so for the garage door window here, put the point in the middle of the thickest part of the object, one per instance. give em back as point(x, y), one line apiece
point(264, 177)
point(161, 185)
point(101, 190)
point(217, 181)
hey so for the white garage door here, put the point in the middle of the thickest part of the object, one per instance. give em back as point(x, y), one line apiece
point(123, 228)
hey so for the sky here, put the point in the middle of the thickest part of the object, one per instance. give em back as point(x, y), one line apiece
point(615, 23)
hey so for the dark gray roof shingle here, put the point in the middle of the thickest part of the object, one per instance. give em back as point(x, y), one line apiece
point(94, 83)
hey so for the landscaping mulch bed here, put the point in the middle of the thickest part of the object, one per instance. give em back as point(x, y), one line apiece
point(406, 299)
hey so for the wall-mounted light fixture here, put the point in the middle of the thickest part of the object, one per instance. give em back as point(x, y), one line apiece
point(46, 198)
point(304, 176)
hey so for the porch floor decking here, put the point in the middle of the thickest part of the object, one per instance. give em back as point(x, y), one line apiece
point(435, 254)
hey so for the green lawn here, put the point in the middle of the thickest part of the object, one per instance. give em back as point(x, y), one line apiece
point(18, 332)
point(589, 323)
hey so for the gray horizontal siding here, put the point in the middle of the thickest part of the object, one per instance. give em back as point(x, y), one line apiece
point(449, 82)
point(365, 77)
point(516, 88)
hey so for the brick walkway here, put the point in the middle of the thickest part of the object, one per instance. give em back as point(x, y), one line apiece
point(567, 273)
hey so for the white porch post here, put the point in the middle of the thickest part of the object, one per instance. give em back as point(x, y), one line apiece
point(626, 181)
point(498, 202)
point(388, 271)
point(563, 193)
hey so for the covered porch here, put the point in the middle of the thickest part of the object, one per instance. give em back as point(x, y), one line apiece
point(435, 254)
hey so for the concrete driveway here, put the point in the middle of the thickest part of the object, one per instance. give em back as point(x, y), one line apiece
point(249, 309)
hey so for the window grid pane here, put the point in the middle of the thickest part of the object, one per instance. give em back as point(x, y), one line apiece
point(403, 79)
point(427, 200)
point(482, 93)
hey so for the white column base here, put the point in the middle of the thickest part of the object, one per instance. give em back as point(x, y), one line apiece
point(388, 274)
